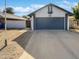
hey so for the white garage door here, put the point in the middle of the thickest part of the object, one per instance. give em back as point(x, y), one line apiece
point(16, 24)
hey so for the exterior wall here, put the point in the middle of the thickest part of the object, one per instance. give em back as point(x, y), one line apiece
point(16, 24)
point(67, 23)
point(56, 12)
point(32, 23)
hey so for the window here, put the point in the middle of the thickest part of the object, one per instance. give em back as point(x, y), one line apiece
point(50, 9)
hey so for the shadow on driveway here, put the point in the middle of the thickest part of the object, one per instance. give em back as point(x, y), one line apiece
point(50, 44)
point(23, 39)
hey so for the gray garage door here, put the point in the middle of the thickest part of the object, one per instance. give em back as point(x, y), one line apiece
point(49, 23)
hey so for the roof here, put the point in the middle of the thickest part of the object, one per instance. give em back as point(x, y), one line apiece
point(69, 13)
point(10, 16)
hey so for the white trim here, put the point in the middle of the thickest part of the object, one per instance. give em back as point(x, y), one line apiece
point(32, 23)
point(64, 23)
point(67, 23)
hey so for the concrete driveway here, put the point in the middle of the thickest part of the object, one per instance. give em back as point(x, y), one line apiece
point(51, 44)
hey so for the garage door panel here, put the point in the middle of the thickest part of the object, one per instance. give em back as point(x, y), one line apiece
point(41, 24)
point(54, 24)
point(16, 24)
point(49, 23)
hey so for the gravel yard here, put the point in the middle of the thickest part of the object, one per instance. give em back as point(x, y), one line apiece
point(13, 50)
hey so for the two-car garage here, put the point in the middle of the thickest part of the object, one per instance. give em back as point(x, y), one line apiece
point(50, 17)
point(56, 23)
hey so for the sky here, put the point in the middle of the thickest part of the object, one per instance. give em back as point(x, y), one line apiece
point(24, 7)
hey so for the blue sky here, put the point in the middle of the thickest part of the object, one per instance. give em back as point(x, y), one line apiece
point(24, 7)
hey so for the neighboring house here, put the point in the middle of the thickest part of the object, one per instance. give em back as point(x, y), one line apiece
point(12, 21)
point(50, 17)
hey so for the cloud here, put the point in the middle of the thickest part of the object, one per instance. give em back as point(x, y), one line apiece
point(20, 10)
point(65, 7)
point(70, 4)
point(66, 4)
point(66, 1)
point(27, 9)
point(37, 5)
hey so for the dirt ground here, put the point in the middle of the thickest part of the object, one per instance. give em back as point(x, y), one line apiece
point(75, 30)
point(13, 50)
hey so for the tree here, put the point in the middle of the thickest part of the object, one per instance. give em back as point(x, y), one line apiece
point(76, 13)
point(9, 10)
point(24, 16)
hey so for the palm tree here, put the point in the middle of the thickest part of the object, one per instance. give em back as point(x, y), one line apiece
point(9, 10)
point(76, 13)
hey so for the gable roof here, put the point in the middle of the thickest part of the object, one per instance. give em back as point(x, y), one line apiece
point(11, 16)
point(69, 13)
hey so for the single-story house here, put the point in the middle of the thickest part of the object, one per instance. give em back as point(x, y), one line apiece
point(50, 17)
point(13, 21)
